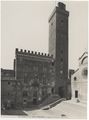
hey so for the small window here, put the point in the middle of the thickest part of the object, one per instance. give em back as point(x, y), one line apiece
point(85, 72)
point(52, 90)
point(8, 83)
point(25, 101)
point(8, 94)
point(75, 78)
point(52, 63)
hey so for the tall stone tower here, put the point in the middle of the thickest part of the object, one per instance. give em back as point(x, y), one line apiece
point(58, 46)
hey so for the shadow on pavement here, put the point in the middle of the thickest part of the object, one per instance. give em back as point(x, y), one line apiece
point(32, 108)
point(12, 112)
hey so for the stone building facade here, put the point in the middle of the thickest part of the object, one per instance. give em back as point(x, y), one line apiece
point(79, 80)
point(37, 75)
point(8, 88)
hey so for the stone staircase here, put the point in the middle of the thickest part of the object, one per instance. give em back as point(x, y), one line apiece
point(50, 100)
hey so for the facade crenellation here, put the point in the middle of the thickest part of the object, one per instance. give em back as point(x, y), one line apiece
point(33, 53)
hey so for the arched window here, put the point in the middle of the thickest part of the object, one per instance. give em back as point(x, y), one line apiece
point(83, 59)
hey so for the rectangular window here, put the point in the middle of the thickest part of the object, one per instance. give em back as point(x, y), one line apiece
point(8, 83)
point(24, 100)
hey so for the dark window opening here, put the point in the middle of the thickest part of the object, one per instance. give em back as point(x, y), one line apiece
point(24, 100)
point(75, 78)
point(76, 94)
point(61, 91)
point(52, 63)
point(85, 72)
point(52, 90)
point(34, 101)
point(8, 94)
point(8, 83)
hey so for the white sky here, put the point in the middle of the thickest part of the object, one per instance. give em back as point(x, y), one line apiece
point(25, 25)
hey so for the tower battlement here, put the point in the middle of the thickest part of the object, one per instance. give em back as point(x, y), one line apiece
point(60, 9)
point(61, 5)
point(32, 53)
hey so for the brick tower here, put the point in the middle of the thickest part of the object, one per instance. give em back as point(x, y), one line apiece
point(58, 46)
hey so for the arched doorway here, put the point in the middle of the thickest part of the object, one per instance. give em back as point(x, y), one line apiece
point(61, 92)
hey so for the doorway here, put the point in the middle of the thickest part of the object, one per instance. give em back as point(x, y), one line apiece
point(52, 90)
point(61, 92)
point(34, 101)
point(76, 93)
